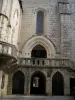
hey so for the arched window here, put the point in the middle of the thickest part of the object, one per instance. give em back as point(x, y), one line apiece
point(40, 22)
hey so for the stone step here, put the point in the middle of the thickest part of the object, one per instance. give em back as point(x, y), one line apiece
point(18, 97)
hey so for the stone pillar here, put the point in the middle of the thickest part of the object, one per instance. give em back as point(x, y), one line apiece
point(9, 90)
point(25, 85)
point(4, 90)
point(1, 72)
point(67, 85)
point(28, 83)
point(28, 86)
point(48, 87)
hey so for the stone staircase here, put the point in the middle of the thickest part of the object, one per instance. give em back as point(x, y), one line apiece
point(15, 97)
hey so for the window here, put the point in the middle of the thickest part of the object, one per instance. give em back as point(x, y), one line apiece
point(1, 4)
point(64, 8)
point(36, 82)
point(40, 22)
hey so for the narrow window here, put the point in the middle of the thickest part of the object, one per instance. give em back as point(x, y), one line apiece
point(40, 22)
point(1, 4)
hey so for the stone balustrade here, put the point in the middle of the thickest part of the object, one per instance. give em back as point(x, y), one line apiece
point(8, 49)
point(44, 62)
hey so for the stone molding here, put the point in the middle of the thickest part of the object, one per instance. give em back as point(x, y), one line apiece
point(47, 44)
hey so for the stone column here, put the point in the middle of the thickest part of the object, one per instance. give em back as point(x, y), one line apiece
point(28, 83)
point(48, 87)
point(25, 85)
point(28, 87)
point(4, 90)
point(9, 90)
point(1, 72)
point(67, 85)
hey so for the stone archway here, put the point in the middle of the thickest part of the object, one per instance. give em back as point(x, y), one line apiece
point(39, 40)
point(18, 83)
point(39, 52)
point(38, 84)
point(57, 84)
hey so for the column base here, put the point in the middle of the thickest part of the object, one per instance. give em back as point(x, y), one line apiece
point(28, 91)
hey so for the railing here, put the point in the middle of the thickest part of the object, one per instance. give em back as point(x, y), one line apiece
point(44, 62)
point(8, 49)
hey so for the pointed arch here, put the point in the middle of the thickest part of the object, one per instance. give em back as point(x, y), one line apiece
point(38, 83)
point(18, 83)
point(39, 52)
point(57, 84)
point(39, 40)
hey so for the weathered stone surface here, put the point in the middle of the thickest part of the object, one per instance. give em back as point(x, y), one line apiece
point(37, 98)
point(58, 38)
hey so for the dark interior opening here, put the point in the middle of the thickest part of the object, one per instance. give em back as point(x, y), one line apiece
point(38, 84)
point(18, 83)
point(72, 86)
point(39, 52)
point(57, 84)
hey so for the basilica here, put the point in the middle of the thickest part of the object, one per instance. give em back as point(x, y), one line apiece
point(37, 47)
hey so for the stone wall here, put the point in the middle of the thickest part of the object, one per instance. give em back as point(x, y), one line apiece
point(4, 89)
point(1, 4)
point(15, 19)
point(10, 22)
point(28, 72)
point(59, 24)
point(51, 21)
point(1, 72)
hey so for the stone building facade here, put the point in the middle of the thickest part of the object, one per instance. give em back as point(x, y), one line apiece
point(37, 47)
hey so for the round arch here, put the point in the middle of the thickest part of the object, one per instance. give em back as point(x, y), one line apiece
point(40, 9)
point(39, 40)
point(38, 83)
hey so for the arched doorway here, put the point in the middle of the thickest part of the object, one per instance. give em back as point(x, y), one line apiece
point(72, 86)
point(39, 52)
point(38, 84)
point(18, 83)
point(57, 84)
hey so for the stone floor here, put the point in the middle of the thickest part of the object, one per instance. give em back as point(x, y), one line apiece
point(15, 97)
